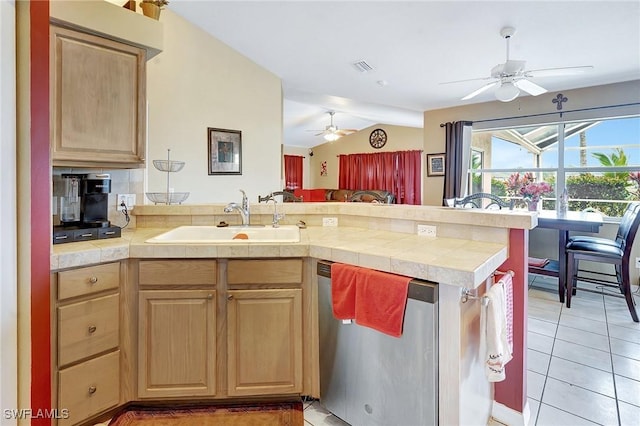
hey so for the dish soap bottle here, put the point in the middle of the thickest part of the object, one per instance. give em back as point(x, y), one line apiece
point(564, 201)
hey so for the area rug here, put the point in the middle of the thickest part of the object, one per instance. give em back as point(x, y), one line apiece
point(263, 414)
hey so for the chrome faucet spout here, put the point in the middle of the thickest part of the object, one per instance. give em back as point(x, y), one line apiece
point(243, 209)
point(276, 216)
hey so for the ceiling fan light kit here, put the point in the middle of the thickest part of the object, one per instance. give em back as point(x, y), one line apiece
point(507, 92)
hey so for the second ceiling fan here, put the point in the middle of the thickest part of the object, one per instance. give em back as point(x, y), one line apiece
point(511, 77)
point(332, 132)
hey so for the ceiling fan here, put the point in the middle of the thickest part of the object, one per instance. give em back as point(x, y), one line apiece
point(331, 132)
point(511, 77)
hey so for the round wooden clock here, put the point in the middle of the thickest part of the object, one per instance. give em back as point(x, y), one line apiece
point(378, 138)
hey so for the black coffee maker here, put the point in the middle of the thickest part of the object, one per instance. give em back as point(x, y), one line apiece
point(95, 200)
point(84, 204)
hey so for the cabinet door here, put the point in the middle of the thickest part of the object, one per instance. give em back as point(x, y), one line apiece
point(264, 346)
point(177, 343)
point(98, 103)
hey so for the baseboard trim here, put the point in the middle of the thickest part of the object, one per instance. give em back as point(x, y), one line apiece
point(510, 417)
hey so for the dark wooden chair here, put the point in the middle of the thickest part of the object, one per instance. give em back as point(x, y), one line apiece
point(287, 197)
point(372, 196)
point(601, 250)
point(483, 200)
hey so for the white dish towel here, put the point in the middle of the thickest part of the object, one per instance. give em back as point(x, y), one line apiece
point(493, 326)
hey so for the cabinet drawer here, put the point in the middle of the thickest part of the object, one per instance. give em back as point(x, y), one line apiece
point(89, 388)
point(269, 271)
point(81, 281)
point(177, 272)
point(88, 328)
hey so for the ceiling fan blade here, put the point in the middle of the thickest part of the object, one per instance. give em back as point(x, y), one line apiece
point(530, 87)
point(480, 90)
point(464, 81)
point(345, 132)
point(550, 72)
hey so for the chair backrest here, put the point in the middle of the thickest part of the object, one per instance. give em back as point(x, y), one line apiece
point(476, 201)
point(373, 196)
point(287, 197)
point(628, 227)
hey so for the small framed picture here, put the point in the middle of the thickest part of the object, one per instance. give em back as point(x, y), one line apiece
point(225, 151)
point(435, 164)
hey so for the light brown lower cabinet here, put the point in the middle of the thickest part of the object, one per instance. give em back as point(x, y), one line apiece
point(264, 342)
point(87, 352)
point(176, 343)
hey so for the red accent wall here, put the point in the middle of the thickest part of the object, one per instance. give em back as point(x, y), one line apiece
point(40, 210)
point(512, 392)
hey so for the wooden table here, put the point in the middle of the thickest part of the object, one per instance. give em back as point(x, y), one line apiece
point(565, 222)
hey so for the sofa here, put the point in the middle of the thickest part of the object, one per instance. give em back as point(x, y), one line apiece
point(348, 195)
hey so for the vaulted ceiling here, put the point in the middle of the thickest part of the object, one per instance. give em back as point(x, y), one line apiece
point(412, 48)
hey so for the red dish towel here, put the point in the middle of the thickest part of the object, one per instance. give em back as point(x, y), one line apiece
point(343, 290)
point(537, 262)
point(381, 299)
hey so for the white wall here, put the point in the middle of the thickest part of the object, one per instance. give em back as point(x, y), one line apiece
point(199, 82)
point(8, 221)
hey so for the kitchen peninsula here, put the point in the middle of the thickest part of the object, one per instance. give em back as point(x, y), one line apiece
point(470, 245)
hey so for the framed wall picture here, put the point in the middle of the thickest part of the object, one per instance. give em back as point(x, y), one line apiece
point(435, 164)
point(225, 151)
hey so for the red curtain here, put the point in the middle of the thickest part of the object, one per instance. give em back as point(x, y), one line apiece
point(293, 171)
point(398, 172)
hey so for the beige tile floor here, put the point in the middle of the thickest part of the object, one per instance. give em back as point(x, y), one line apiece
point(583, 362)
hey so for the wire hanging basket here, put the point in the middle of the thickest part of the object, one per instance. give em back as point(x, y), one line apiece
point(168, 166)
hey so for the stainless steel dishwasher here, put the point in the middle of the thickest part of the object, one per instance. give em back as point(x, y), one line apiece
point(368, 378)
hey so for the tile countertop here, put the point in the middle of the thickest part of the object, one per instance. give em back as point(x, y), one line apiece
point(459, 262)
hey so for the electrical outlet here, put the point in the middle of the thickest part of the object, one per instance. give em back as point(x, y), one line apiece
point(427, 230)
point(329, 221)
point(129, 200)
point(638, 262)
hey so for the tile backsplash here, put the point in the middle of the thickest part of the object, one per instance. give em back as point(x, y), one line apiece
point(123, 181)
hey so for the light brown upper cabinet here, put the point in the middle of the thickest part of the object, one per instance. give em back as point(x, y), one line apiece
point(98, 101)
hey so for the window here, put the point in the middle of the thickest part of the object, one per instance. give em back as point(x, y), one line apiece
point(597, 161)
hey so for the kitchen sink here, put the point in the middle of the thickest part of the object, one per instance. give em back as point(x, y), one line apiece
point(230, 234)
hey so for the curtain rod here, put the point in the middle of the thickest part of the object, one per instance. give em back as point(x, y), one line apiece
point(542, 114)
point(391, 152)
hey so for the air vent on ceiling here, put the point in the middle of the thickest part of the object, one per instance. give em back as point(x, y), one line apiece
point(362, 66)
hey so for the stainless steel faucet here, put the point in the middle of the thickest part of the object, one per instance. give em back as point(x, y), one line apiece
point(276, 216)
point(243, 209)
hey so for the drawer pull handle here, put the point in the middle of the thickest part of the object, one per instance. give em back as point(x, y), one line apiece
point(92, 390)
point(62, 237)
point(86, 235)
point(230, 297)
point(209, 296)
point(93, 280)
point(92, 329)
